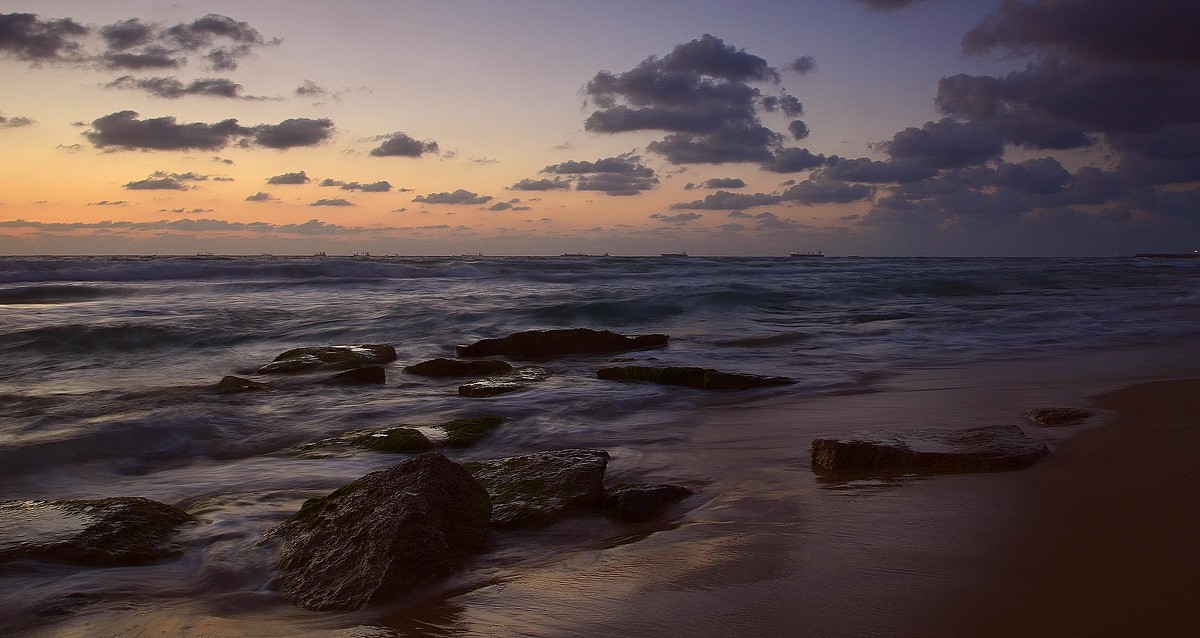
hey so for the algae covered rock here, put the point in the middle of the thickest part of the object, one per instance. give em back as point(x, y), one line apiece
point(108, 532)
point(468, 432)
point(542, 344)
point(691, 377)
point(985, 448)
point(520, 379)
point(318, 358)
point(637, 502)
point(542, 487)
point(382, 535)
point(459, 368)
point(401, 440)
point(1057, 417)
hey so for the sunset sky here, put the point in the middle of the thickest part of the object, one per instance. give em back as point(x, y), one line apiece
point(872, 127)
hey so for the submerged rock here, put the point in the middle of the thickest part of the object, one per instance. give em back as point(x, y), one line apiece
point(642, 502)
point(468, 432)
point(319, 358)
point(108, 532)
point(401, 440)
point(520, 379)
point(541, 344)
point(230, 384)
point(996, 447)
point(702, 378)
point(458, 368)
point(540, 488)
point(366, 375)
point(382, 535)
point(1055, 417)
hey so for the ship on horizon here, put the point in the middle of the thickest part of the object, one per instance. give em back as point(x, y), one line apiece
point(801, 253)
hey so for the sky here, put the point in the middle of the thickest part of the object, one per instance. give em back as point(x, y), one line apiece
point(853, 127)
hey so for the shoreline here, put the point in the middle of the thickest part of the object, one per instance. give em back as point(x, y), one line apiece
point(1107, 542)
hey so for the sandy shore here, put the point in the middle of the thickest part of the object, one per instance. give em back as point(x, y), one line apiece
point(1108, 545)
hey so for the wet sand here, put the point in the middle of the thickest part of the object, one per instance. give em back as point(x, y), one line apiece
point(1108, 544)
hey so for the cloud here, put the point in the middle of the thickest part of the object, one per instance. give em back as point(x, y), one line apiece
point(723, 182)
point(261, 196)
point(172, 88)
point(290, 133)
point(160, 180)
point(374, 187)
point(337, 201)
point(310, 89)
point(887, 5)
point(299, 177)
point(458, 197)
point(105, 202)
point(803, 64)
point(680, 218)
point(771, 221)
point(792, 160)
point(123, 130)
point(873, 171)
point(15, 122)
point(725, 200)
point(623, 175)
point(811, 192)
point(529, 184)
point(28, 38)
point(401, 145)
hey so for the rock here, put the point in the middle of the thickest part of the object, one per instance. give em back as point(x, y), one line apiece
point(358, 376)
point(230, 384)
point(401, 440)
point(540, 488)
point(1054, 417)
point(108, 532)
point(996, 447)
point(541, 344)
point(519, 379)
point(642, 502)
point(330, 358)
point(703, 378)
point(382, 535)
point(468, 432)
point(457, 368)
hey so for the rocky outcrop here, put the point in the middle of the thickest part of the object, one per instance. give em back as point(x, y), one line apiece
point(468, 432)
point(108, 532)
point(321, 358)
point(401, 440)
point(230, 384)
point(459, 368)
point(636, 502)
point(1056, 417)
point(520, 379)
point(540, 488)
point(702, 378)
point(366, 375)
point(973, 449)
point(544, 344)
point(382, 535)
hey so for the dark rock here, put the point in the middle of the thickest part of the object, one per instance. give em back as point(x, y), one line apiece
point(468, 432)
point(974, 449)
point(541, 344)
point(1054, 417)
point(401, 440)
point(330, 358)
point(641, 502)
point(359, 376)
point(108, 532)
point(540, 488)
point(382, 535)
point(519, 379)
point(457, 368)
point(233, 385)
point(703, 378)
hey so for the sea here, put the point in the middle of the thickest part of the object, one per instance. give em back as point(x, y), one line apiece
point(110, 364)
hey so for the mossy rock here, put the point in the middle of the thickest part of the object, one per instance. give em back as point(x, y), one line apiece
point(313, 359)
point(401, 440)
point(542, 487)
point(467, 432)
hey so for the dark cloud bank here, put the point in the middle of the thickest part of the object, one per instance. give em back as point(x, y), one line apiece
point(126, 130)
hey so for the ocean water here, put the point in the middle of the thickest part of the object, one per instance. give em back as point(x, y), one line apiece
point(110, 362)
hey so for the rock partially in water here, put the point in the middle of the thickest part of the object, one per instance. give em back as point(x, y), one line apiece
point(691, 377)
point(468, 432)
point(540, 488)
point(108, 532)
point(459, 368)
point(318, 358)
point(985, 448)
point(520, 379)
point(366, 375)
point(543, 344)
point(382, 535)
point(401, 440)
point(638, 502)
point(230, 384)
point(1056, 417)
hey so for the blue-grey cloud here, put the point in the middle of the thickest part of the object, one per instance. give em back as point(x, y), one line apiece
point(459, 197)
point(160, 180)
point(124, 130)
point(15, 122)
point(172, 88)
point(811, 192)
point(679, 218)
point(623, 175)
point(402, 145)
point(261, 196)
point(373, 187)
point(725, 200)
point(529, 184)
point(336, 201)
point(298, 177)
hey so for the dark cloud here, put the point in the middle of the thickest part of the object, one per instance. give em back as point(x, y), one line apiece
point(299, 177)
point(401, 145)
point(725, 200)
point(337, 201)
point(124, 130)
point(771, 221)
point(160, 180)
point(27, 37)
point(261, 196)
point(680, 218)
point(803, 64)
point(873, 171)
point(172, 88)
point(811, 192)
point(458, 197)
point(793, 160)
point(623, 175)
point(887, 5)
point(798, 129)
point(310, 89)
point(15, 122)
point(300, 131)
point(220, 40)
point(374, 187)
point(723, 182)
point(946, 144)
point(529, 184)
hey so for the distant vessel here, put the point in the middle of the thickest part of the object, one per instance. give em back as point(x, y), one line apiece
point(1192, 255)
point(674, 254)
point(796, 253)
point(362, 254)
point(320, 254)
point(583, 255)
point(206, 253)
point(472, 254)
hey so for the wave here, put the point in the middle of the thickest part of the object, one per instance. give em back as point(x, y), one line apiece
point(53, 294)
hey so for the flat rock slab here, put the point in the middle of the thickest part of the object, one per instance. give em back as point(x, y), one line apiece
point(382, 535)
point(986, 448)
point(690, 377)
point(1057, 417)
point(520, 379)
point(637, 502)
point(540, 488)
point(542, 344)
point(459, 368)
point(320, 358)
point(108, 532)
